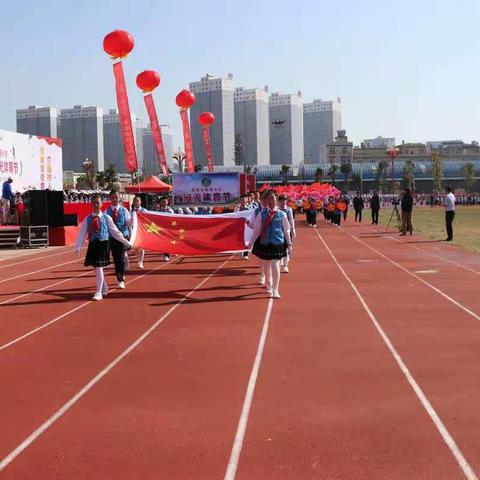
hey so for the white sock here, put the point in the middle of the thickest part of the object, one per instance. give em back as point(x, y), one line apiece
point(141, 255)
point(268, 271)
point(275, 269)
point(100, 279)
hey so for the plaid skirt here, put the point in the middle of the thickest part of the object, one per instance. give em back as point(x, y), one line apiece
point(98, 254)
point(269, 251)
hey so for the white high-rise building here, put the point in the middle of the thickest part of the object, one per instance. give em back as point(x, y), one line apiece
point(214, 95)
point(36, 120)
point(151, 165)
point(379, 142)
point(321, 121)
point(252, 143)
point(81, 129)
point(286, 129)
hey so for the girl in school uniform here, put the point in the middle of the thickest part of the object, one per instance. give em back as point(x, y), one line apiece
point(273, 233)
point(137, 207)
point(122, 219)
point(99, 227)
point(282, 205)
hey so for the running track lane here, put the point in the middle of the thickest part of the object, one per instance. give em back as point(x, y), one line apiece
point(458, 283)
point(56, 361)
point(331, 402)
point(169, 409)
point(439, 342)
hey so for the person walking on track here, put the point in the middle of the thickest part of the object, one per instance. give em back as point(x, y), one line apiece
point(99, 227)
point(358, 205)
point(273, 231)
point(122, 219)
point(137, 207)
point(375, 207)
point(449, 204)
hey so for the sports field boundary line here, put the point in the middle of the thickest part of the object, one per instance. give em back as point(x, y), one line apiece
point(39, 271)
point(73, 310)
point(88, 386)
point(421, 280)
point(32, 254)
point(459, 265)
point(440, 426)
point(247, 403)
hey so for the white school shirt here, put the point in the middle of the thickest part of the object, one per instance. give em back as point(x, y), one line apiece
point(449, 202)
point(112, 229)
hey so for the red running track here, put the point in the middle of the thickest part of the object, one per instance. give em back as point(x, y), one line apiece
point(365, 369)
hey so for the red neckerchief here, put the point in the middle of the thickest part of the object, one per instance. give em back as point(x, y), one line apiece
point(271, 214)
point(115, 213)
point(94, 226)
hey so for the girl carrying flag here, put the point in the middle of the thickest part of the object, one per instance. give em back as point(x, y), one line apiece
point(273, 233)
point(99, 227)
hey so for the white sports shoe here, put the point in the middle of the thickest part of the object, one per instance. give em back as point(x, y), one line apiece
point(285, 269)
point(261, 281)
point(97, 297)
point(140, 265)
point(121, 285)
point(275, 294)
point(269, 289)
point(166, 258)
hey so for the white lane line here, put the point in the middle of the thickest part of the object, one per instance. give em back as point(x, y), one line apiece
point(247, 403)
point(459, 265)
point(420, 279)
point(442, 429)
point(34, 259)
point(44, 288)
point(38, 271)
point(83, 391)
point(73, 310)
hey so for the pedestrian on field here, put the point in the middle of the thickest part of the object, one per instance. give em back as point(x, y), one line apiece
point(358, 205)
point(407, 209)
point(449, 204)
point(375, 207)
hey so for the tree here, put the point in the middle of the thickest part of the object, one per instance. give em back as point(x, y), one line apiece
point(198, 168)
point(89, 179)
point(284, 172)
point(333, 172)
point(381, 175)
point(357, 182)
point(180, 158)
point(468, 170)
point(437, 171)
point(319, 175)
point(408, 177)
point(247, 169)
point(107, 179)
point(346, 169)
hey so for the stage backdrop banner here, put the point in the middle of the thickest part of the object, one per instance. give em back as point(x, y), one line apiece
point(205, 189)
point(34, 163)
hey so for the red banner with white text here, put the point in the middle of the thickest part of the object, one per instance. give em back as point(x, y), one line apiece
point(208, 148)
point(125, 118)
point(188, 141)
point(156, 133)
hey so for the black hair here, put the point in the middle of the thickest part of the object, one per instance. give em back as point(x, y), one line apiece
point(448, 188)
point(114, 192)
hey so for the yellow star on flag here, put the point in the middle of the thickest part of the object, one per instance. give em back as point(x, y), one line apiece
point(174, 223)
point(173, 242)
point(153, 228)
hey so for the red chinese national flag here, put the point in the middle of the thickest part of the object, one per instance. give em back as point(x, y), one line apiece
point(188, 235)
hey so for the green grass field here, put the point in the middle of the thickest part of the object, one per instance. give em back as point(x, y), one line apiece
point(430, 222)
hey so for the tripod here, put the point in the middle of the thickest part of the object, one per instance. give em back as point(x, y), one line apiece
point(397, 218)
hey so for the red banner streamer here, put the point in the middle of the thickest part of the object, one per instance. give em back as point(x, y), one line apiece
point(156, 133)
point(208, 148)
point(125, 118)
point(188, 141)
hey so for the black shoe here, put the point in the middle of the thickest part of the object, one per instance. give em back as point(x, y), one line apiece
point(449, 239)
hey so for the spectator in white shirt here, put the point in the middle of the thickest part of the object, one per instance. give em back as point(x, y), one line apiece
point(449, 203)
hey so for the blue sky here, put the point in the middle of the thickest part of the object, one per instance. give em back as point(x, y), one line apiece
point(408, 69)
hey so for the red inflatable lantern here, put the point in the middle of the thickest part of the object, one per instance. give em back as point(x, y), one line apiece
point(206, 119)
point(118, 44)
point(185, 99)
point(148, 80)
